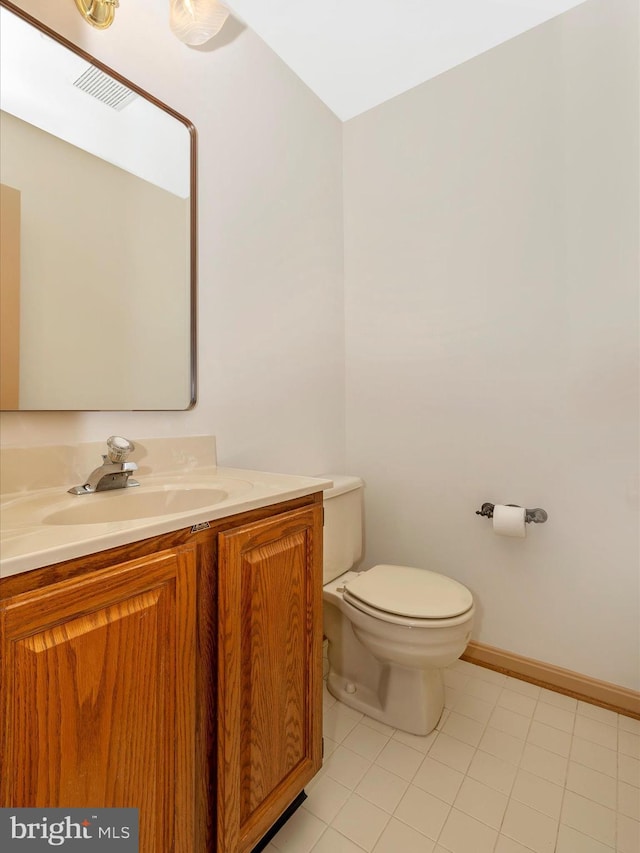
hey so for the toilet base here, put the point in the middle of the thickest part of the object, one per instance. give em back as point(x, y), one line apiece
point(408, 699)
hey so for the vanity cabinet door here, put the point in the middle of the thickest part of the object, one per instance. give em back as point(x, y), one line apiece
point(269, 671)
point(98, 693)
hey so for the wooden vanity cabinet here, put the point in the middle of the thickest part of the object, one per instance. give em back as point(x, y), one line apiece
point(269, 671)
point(180, 675)
point(98, 693)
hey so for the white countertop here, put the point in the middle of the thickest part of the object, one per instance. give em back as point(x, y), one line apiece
point(32, 536)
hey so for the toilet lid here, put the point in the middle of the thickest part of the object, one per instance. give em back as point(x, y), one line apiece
point(406, 591)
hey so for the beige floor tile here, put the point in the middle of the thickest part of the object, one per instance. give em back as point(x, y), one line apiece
point(328, 701)
point(558, 699)
point(628, 724)
point(383, 728)
point(629, 770)
point(361, 822)
point(455, 679)
point(517, 685)
point(365, 741)
point(333, 842)
point(463, 833)
point(481, 802)
point(594, 756)
point(589, 818)
point(629, 800)
point(397, 837)
point(508, 845)
point(596, 731)
point(476, 709)
point(548, 737)
point(451, 696)
point(452, 752)
point(400, 759)
point(346, 767)
point(467, 667)
point(502, 745)
point(438, 779)
point(422, 743)
point(628, 835)
point(629, 744)
point(443, 719)
point(326, 798)
point(603, 715)
point(300, 833)
point(592, 785)
point(463, 728)
point(572, 841)
point(382, 788)
point(510, 723)
point(517, 702)
point(329, 747)
point(558, 718)
point(422, 811)
point(485, 674)
point(547, 765)
point(538, 793)
point(484, 690)
point(339, 721)
point(529, 827)
point(492, 771)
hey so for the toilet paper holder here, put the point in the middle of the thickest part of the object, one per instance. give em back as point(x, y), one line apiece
point(537, 515)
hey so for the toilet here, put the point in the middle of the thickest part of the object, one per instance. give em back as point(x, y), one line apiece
point(391, 629)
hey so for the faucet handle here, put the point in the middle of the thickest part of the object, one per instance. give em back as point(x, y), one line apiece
point(118, 448)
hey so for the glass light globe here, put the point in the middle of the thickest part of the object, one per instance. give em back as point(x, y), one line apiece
point(196, 21)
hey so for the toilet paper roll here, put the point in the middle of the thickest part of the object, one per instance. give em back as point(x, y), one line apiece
point(509, 521)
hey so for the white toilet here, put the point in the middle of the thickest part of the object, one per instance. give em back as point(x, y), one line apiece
point(391, 629)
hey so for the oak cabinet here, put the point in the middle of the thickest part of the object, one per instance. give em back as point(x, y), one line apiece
point(269, 672)
point(180, 675)
point(98, 695)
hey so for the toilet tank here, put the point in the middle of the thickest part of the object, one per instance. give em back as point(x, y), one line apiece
point(342, 541)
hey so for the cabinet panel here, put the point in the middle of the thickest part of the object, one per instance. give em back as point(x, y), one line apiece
point(270, 671)
point(98, 699)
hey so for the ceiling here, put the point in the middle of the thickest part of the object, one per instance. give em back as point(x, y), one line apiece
point(356, 54)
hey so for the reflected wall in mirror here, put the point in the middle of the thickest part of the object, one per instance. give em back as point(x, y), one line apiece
point(97, 249)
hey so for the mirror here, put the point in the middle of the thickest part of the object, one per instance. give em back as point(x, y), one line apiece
point(98, 239)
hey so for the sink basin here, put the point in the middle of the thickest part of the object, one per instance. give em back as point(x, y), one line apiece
point(120, 505)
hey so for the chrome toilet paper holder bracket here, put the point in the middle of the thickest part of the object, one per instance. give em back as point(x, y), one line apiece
point(537, 515)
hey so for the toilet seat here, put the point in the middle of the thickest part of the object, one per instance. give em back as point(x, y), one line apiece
point(409, 593)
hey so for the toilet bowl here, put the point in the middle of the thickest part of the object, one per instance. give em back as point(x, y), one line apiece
point(391, 629)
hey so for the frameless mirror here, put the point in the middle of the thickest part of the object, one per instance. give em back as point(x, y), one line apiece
point(97, 248)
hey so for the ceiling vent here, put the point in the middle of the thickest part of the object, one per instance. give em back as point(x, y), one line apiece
point(104, 88)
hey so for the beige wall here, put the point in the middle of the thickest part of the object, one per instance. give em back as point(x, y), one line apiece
point(105, 279)
point(491, 266)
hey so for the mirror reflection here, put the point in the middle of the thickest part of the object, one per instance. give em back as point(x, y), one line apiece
point(97, 244)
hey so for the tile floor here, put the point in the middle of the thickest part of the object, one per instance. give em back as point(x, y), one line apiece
point(511, 768)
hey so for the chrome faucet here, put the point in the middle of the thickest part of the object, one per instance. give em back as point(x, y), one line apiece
point(114, 473)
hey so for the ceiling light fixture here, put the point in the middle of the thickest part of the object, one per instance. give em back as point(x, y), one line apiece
point(196, 21)
point(99, 13)
point(193, 21)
